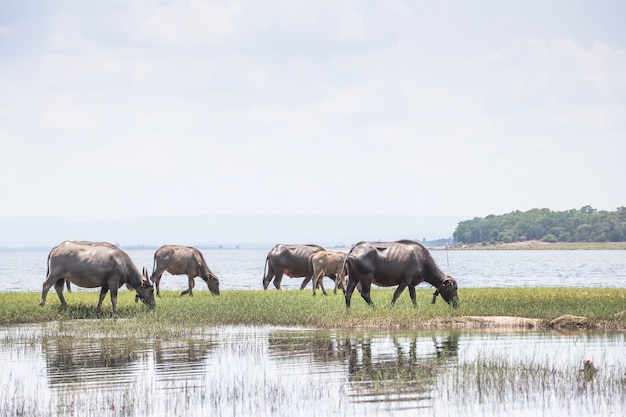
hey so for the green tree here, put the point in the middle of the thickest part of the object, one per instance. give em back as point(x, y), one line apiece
point(585, 225)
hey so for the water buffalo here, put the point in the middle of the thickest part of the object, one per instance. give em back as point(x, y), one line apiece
point(327, 263)
point(403, 263)
point(92, 265)
point(292, 260)
point(183, 260)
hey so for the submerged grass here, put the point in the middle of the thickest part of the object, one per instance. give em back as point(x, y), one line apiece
point(602, 307)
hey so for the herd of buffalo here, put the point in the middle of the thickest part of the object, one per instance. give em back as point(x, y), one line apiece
point(102, 265)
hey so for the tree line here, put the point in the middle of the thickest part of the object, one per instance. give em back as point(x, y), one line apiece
point(576, 225)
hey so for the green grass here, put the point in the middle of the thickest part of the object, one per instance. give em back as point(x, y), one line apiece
point(603, 307)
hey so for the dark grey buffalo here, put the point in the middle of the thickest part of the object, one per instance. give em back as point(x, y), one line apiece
point(403, 263)
point(183, 260)
point(290, 260)
point(93, 265)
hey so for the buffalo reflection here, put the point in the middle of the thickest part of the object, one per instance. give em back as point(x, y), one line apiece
point(72, 359)
point(402, 370)
point(102, 361)
point(380, 367)
point(187, 355)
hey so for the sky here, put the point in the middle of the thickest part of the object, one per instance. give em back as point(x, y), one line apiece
point(125, 109)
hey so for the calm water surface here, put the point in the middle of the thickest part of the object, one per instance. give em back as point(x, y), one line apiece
point(243, 269)
point(57, 369)
point(53, 370)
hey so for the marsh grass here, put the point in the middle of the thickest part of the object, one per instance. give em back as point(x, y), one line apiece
point(504, 380)
point(603, 307)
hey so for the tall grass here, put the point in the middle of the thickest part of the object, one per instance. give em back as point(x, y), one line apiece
point(601, 306)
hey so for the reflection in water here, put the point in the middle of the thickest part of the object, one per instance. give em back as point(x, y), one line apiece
point(187, 356)
point(403, 375)
point(73, 359)
point(265, 371)
point(101, 361)
point(380, 368)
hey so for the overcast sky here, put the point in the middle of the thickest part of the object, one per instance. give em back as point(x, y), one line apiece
point(123, 109)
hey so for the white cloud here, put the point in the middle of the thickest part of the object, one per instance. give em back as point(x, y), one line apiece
point(65, 33)
point(193, 21)
point(64, 112)
point(247, 107)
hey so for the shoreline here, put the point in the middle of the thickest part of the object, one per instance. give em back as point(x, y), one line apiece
point(541, 308)
point(565, 322)
point(539, 245)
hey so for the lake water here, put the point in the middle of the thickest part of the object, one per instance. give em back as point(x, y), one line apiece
point(243, 269)
point(54, 370)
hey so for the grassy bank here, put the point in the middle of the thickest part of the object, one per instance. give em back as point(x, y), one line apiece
point(602, 307)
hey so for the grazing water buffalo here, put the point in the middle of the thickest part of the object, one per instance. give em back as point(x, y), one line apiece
point(292, 260)
point(183, 260)
point(92, 265)
point(403, 263)
point(328, 263)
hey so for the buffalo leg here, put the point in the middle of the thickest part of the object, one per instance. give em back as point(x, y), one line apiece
point(412, 294)
point(156, 282)
point(266, 281)
point(342, 282)
point(103, 293)
point(321, 284)
point(318, 281)
point(306, 281)
point(339, 283)
point(268, 278)
point(113, 290)
point(349, 291)
point(47, 284)
point(156, 279)
point(277, 279)
point(58, 286)
point(365, 290)
point(397, 293)
point(189, 290)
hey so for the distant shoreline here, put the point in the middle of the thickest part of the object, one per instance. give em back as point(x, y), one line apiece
point(526, 245)
point(539, 245)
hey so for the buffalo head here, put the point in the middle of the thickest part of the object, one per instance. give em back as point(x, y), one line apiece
point(145, 292)
point(214, 284)
point(448, 291)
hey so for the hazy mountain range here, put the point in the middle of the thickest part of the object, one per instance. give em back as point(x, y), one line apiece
point(240, 230)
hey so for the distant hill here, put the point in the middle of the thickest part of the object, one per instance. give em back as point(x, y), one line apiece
point(226, 230)
point(576, 225)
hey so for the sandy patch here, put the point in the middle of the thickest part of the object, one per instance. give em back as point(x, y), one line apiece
point(567, 321)
point(497, 322)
